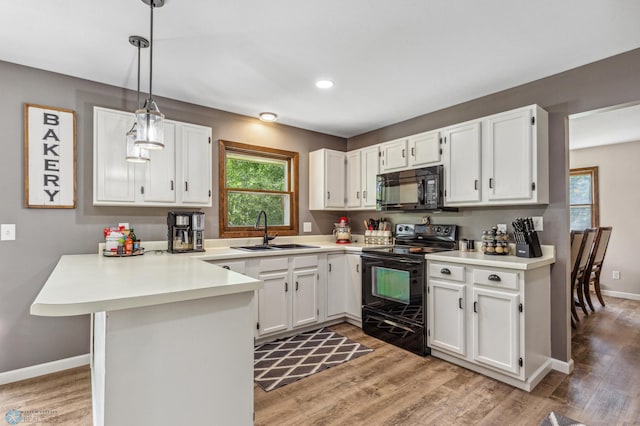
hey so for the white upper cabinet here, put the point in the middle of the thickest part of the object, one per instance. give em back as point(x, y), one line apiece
point(354, 187)
point(394, 155)
point(113, 175)
point(362, 169)
point(462, 168)
point(327, 180)
point(196, 153)
point(516, 165)
point(424, 149)
point(117, 182)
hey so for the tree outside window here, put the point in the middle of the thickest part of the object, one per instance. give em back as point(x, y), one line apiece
point(252, 179)
point(583, 198)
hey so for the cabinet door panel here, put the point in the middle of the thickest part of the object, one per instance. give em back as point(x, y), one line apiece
point(160, 173)
point(273, 303)
point(462, 177)
point(394, 155)
point(510, 156)
point(114, 176)
point(336, 285)
point(196, 164)
point(305, 297)
point(424, 149)
point(335, 179)
point(370, 167)
point(496, 334)
point(446, 316)
point(353, 289)
point(354, 193)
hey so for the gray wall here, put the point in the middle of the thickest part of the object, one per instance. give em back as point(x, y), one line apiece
point(612, 81)
point(43, 235)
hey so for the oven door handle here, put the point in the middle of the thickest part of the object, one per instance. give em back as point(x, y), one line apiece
point(393, 323)
point(395, 260)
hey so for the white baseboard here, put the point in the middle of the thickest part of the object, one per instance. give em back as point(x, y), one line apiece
point(562, 366)
point(620, 294)
point(42, 369)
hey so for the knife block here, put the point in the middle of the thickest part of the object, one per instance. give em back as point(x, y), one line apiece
point(529, 246)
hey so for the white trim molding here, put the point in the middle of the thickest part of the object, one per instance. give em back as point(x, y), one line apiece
point(562, 366)
point(42, 369)
point(620, 294)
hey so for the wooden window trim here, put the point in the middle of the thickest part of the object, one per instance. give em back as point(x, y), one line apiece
point(238, 232)
point(595, 194)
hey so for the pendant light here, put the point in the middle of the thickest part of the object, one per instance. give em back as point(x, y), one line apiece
point(150, 131)
point(136, 154)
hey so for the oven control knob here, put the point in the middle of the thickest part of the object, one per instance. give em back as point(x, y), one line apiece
point(438, 230)
point(447, 230)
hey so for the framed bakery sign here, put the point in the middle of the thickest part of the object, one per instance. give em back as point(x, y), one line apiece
point(49, 157)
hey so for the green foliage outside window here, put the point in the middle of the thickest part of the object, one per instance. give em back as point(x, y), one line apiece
point(256, 173)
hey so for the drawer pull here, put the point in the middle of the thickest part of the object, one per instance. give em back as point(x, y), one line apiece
point(475, 307)
point(494, 277)
point(445, 271)
point(226, 267)
point(460, 303)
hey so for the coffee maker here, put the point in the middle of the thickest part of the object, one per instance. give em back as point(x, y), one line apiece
point(186, 231)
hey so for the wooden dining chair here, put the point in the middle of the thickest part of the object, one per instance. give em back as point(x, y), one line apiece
point(594, 267)
point(577, 246)
point(588, 240)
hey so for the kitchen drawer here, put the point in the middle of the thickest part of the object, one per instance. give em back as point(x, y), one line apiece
point(496, 278)
point(273, 264)
point(300, 262)
point(449, 272)
point(239, 266)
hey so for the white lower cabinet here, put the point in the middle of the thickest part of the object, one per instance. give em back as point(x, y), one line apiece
point(344, 286)
point(492, 320)
point(290, 295)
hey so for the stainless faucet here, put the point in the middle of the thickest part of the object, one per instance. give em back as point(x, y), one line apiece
point(266, 238)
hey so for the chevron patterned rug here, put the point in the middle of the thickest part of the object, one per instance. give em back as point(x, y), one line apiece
point(287, 360)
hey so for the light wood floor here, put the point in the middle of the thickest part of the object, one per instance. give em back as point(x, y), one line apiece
point(393, 387)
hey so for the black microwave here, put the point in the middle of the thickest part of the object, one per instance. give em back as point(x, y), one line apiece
point(411, 190)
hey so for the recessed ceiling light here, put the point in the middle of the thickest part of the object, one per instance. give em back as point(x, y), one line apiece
point(324, 84)
point(268, 116)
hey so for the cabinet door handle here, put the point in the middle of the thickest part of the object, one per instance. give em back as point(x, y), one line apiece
point(445, 271)
point(358, 195)
point(403, 153)
point(172, 184)
point(296, 285)
point(142, 190)
point(494, 277)
point(475, 184)
point(475, 307)
point(460, 302)
point(186, 186)
point(329, 267)
point(413, 152)
point(226, 267)
point(286, 287)
point(364, 194)
point(328, 195)
point(358, 268)
point(491, 183)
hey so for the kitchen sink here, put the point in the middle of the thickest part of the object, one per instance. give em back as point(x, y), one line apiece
point(262, 247)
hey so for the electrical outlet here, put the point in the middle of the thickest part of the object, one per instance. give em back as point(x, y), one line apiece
point(306, 226)
point(537, 223)
point(502, 227)
point(615, 275)
point(8, 232)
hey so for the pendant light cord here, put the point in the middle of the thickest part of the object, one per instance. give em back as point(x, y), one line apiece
point(138, 75)
point(151, 54)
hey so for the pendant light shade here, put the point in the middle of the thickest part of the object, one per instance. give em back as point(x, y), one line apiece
point(135, 153)
point(149, 119)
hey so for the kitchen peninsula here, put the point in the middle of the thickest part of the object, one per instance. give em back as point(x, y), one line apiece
point(171, 335)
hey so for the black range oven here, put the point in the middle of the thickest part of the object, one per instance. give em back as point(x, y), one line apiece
point(394, 299)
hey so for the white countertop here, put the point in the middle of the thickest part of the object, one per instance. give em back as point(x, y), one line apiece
point(83, 284)
point(88, 283)
point(509, 261)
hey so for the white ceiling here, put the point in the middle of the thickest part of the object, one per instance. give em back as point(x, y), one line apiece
point(605, 127)
point(391, 60)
